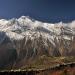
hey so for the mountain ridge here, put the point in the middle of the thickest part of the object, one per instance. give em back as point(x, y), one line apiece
point(31, 39)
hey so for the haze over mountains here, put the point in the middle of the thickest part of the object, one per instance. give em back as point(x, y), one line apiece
point(26, 39)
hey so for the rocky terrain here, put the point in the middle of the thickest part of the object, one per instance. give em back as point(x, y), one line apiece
point(23, 41)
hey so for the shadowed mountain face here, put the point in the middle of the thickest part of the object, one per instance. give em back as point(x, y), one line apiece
point(7, 53)
point(23, 40)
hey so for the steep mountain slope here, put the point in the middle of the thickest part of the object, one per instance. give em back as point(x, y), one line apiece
point(26, 39)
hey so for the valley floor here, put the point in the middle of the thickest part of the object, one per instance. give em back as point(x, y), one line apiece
point(46, 66)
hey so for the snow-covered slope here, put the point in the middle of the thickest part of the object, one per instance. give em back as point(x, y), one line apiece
point(26, 26)
point(32, 38)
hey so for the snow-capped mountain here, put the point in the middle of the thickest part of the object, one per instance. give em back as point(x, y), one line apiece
point(31, 38)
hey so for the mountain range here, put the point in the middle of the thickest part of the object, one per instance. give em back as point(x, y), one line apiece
point(24, 40)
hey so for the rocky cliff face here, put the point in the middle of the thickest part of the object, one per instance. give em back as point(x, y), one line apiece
point(26, 39)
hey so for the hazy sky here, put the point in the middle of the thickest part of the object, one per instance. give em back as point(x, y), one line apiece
point(44, 10)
